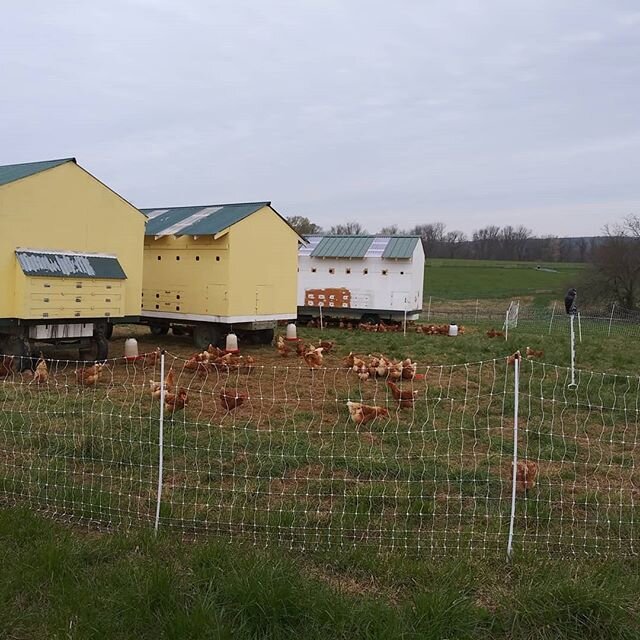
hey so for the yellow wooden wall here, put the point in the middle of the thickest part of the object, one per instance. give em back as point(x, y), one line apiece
point(65, 208)
point(249, 271)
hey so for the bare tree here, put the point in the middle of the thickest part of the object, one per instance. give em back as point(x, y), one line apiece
point(304, 226)
point(452, 242)
point(432, 235)
point(487, 241)
point(348, 229)
point(392, 230)
point(615, 273)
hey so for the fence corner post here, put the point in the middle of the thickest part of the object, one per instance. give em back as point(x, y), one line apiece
point(514, 463)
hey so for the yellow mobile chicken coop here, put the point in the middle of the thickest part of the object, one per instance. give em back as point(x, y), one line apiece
point(71, 255)
point(217, 268)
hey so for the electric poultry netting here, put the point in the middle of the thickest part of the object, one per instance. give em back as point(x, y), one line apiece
point(319, 457)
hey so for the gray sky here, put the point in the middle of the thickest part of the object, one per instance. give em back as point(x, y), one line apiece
point(472, 113)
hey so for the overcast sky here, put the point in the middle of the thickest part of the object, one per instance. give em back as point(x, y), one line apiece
point(467, 112)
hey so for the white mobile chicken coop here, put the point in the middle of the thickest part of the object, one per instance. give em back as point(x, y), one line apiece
point(368, 278)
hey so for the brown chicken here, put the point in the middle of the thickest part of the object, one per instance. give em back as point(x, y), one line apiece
point(513, 357)
point(327, 345)
point(526, 474)
point(216, 352)
point(41, 374)
point(492, 333)
point(6, 366)
point(89, 376)
point(283, 348)
point(405, 397)
point(532, 353)
point(231, 399)
point(169, 384)
point(314, 358)
point(363, 413)
point(409, 369)
point(301, 348)
point(175, 401)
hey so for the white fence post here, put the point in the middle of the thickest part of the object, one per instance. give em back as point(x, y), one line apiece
point(572, 384)
point(553, 313)
point(613, 306)
point(506, 325)
point(321, 322)
point(514, 474)
point(579, 328)
point(160, 442)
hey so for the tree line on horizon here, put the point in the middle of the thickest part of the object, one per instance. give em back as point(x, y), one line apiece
point(487, 243)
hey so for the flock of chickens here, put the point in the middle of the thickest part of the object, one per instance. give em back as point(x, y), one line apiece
point(85, 376)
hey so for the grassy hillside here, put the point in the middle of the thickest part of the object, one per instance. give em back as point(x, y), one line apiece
point(59, 582)
point(471, 279)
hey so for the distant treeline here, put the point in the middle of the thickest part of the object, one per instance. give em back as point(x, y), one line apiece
point(489, 243)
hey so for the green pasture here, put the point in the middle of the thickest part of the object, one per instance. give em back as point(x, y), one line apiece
point(492, 279)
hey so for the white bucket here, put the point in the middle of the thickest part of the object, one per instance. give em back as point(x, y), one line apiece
point(232, 343)
point(130, 348)
point(292, 332)
point(453, 330)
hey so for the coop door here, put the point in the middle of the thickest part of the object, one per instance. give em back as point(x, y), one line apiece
point(264, 294)
point(400, 300)
point(217, 299)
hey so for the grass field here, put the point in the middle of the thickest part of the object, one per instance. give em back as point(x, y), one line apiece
point(473, 279)
point(58, 582)
point(403, 521)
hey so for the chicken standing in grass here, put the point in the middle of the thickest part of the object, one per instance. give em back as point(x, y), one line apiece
point(526, 475)
point(404, 397)
point(155, 387)
point(41, 374)
point(231, 399)
point(314, 358)
point(175, 401)
point(89, 376)
point(301, 348)
point(327, 345)
point(282, 347)
point(363, 413)
point(532, 353)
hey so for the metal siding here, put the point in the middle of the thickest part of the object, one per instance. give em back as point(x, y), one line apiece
point(216, 218)
point(70, 265)
point(400, 247)
point(342, 247)
point(12, 172)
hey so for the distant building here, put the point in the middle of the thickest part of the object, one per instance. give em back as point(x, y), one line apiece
point(361, 277)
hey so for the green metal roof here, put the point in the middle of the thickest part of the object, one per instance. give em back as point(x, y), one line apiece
point(342, 247)
point(197, 221)
point(62, 264)
point(13, 172)
point(400, 247)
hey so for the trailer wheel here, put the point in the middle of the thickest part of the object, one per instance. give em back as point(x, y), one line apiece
point(98, 350)
point(206, 334)
point(159, 329)
point(263, 336)
point(21, 349)
point(178, 331)
point(108, 332)
point(371, 318)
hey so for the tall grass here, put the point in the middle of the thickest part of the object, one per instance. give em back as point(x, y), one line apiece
point(59, 582)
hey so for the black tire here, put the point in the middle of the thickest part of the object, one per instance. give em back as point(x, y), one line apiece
point(179, 331)
point(159, 329)
point(263, 336)
point(98, 350)
point(206, 334)
point(370, 318)
point(108, 332)
point(21, 349)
